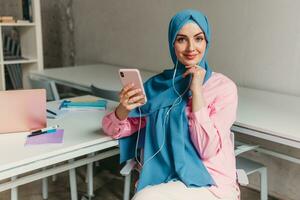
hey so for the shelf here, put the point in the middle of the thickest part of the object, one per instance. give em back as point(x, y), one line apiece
point(17, 24)
point(20, 61)
point(29, 36)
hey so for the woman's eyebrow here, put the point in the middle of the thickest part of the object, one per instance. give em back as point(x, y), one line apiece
point(182, 35)
point(199, 34)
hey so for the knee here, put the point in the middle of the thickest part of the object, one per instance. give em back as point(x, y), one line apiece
point(146, 194)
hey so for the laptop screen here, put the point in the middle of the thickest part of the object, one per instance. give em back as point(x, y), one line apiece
point(22, 110)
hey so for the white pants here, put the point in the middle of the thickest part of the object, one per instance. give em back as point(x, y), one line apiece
point(176, 190)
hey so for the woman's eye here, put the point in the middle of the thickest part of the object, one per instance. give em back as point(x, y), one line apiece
point(180, 40)
point(199, 39)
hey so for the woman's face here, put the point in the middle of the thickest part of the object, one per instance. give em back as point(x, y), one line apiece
point(190, 44)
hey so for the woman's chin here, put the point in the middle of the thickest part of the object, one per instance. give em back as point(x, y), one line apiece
point(190, 62)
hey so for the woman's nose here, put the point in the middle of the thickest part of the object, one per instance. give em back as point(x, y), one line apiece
point(191, 46)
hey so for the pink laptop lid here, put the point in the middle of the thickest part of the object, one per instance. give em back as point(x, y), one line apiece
point(22, 110)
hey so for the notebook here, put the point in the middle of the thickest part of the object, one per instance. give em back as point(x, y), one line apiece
point(22, 110)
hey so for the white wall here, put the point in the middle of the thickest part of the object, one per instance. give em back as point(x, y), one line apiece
point(255, 42)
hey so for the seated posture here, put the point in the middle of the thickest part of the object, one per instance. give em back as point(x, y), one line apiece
point(181, 135)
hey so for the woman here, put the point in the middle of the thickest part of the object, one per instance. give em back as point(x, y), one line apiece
point(183, 131)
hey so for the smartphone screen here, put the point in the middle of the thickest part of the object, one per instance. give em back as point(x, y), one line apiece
point(132, 76)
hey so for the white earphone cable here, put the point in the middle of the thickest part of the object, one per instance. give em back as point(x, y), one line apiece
point(175, 103)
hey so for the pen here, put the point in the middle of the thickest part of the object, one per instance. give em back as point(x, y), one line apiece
point(51, 112)
point(44, 129)
point(63, 104)
point(40, 133)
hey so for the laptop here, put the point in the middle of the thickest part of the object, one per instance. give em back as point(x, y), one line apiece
point(22, 110)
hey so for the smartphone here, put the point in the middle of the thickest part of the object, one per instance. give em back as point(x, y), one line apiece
point(132, 76)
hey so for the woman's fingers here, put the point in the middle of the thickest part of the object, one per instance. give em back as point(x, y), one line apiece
point(134, 102)
point(195, 70)
point(132, 93)
point(131, 97)
point(125, 89)
point(134, 105)
point(189, 71)
point(138, 98)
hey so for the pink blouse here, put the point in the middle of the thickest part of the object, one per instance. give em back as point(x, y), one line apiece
point(209, 131)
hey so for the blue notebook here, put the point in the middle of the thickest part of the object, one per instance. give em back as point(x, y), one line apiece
point(83, 105)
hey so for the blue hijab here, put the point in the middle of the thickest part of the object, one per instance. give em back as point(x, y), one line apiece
point(178, 159)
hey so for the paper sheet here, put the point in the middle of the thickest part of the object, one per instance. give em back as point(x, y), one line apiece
point(48, 138)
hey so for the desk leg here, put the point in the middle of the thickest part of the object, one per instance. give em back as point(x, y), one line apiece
point(73, 184)
point(45, 188)
point(90, 180)
point(14, 191)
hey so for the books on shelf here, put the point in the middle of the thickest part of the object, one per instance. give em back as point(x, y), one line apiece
point(7, 19)
point(11, 44)
point(12, 51)
point(14, 72)
point(27, 10)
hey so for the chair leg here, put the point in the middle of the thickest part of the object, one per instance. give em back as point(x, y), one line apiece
point(73, 185)
point(127, 187)
point(54, 178)
point(263, 184)
point(14, 191)
point(90, 181)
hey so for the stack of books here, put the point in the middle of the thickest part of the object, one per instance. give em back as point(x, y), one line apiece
point(7, 19)
point(12, 51)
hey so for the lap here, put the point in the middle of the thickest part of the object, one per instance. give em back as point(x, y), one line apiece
point(175, 190)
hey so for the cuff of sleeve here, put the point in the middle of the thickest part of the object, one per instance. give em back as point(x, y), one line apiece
point(116, 120)
point(201, 116)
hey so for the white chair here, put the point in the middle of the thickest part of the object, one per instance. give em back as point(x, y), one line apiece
point(51, 90)
point(250, 167)
point(107, 94)
point(244, 167)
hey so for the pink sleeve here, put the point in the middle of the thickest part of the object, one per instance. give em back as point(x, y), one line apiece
point(210, 126)
point(116, 128)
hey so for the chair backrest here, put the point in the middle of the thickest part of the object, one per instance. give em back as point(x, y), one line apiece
point(51, 90)
point(107, 94)
point(232, 140)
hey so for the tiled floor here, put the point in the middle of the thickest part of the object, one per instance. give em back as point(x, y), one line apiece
point(108, 185)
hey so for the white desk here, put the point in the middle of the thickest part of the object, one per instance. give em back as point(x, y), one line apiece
point(82, 136)
point(261, 114)
point(103, 76)
point(271, 116)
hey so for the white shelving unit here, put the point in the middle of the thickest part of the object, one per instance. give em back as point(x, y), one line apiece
point(31, 46)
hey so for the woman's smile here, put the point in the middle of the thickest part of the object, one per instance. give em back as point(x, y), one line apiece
point(190, 56)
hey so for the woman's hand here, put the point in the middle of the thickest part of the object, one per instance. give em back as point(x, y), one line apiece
point(198, 74)
point(130, 98)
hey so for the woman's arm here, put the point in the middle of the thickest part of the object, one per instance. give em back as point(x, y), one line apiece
point(116, 124)
point(116, 128)
point(210, 125)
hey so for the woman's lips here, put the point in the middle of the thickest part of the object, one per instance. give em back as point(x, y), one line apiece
point(190, 56)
